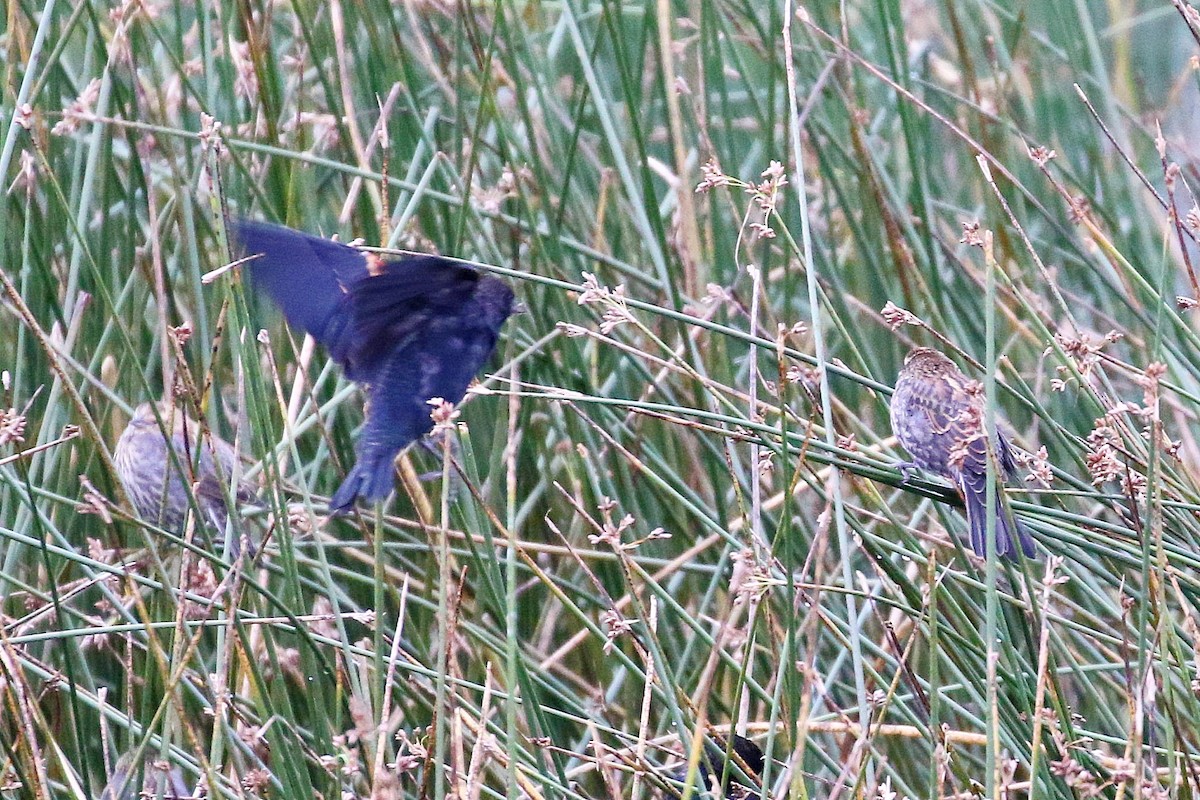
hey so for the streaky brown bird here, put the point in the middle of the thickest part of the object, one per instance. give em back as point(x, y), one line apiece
point(937, 415)
point(153, 483)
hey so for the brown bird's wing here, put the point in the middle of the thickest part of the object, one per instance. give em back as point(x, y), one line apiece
point(1004, 452)
point(930, 419)
point(214, 452)
point(967, 433)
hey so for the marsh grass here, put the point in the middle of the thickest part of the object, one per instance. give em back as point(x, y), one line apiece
point(660, 517)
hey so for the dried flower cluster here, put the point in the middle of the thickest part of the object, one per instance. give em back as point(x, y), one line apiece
point(1084, 352)
point(972, 234)
point(27, 172)
point(78, 110)
point(1149, 381)
point(443, 414)
point(1121, 770)
point(1042, 155)
point(610, 531)
point(895, 316)
point(411, 752)
point(712, 176)
point(93, 501)
point(12, 426)
point(615, 311)
point(716, 294)
point(1039, 466)
point(246, 83)
point(751, 578)
point(490, 199)
point(886, 792)
point(1106, 459)
point(766, 197)
point(614, 625)
point(765, 193)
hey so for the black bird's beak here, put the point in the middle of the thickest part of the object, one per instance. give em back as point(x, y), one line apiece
point(520, 308)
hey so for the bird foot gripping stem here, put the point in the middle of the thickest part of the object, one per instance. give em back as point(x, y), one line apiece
point(907, 470)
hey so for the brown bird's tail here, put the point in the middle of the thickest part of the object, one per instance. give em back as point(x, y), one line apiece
point(974, 489)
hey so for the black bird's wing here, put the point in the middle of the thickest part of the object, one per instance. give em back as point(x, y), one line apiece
point(747, 757)
point(308, 277)
point(401, 300)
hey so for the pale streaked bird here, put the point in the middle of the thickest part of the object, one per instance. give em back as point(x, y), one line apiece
point(937, 416)
point(153, 483)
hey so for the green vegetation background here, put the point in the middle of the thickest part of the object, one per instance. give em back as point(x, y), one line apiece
point(521, 621)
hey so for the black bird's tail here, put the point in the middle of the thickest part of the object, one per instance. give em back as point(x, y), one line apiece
point(974, 489)
point(370, 479)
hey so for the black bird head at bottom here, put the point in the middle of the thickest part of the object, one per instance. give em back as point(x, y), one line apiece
point(746, 757)
point(408, 330)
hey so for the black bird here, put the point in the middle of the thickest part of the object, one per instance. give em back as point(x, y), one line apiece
point(938, 419)
point(409, 330)
point(746, 757)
